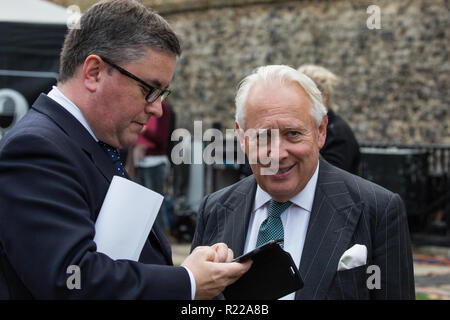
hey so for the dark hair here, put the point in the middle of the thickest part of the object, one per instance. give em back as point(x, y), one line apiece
point(122, 30)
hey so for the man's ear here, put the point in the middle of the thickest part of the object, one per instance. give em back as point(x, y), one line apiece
point(91, 72)
point(322, 131)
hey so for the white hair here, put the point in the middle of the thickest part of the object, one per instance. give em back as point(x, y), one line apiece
point(324, 79)
point(282, 74)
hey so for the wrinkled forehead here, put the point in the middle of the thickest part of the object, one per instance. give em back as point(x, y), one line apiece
point(277, 99)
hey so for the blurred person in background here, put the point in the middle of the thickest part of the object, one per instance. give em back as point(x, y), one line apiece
point(341, 147)
point(151, 159)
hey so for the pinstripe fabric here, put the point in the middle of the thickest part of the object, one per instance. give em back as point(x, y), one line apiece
point(347, 210)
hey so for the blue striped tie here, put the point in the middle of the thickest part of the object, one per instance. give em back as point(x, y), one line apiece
point(115, 157)
point(272, 227)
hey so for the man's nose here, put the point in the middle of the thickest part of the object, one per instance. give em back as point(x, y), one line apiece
point(278, 149)
point(154, 108)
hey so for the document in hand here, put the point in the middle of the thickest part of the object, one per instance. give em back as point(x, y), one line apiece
point(125, 219)
point(272, 275)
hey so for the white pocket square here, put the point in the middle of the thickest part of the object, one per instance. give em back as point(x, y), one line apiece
point(354, 257)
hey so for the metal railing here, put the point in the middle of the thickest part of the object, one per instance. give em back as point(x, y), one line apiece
point(438, 154)
point(421, 177)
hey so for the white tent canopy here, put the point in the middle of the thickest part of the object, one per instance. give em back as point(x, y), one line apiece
point(31, 36)
point(33, 11)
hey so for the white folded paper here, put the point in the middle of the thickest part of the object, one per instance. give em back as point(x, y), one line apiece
point(125, 219)
point(354, 257)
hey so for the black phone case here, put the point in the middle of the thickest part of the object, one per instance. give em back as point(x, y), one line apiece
point(272, 275)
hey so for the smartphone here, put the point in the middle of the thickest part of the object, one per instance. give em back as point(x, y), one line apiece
point(273, 275)
point(257, 250)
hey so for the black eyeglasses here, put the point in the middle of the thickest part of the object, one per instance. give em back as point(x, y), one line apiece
point(153, 93)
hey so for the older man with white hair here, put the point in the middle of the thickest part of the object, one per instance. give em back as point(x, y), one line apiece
point(348, 237)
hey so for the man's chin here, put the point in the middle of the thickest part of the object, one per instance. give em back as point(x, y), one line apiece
point(279, 190)
point(129, 141)
point(281, 196)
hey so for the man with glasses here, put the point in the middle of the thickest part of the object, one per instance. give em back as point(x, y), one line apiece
point(57, 163)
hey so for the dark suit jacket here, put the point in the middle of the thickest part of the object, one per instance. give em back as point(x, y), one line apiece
point(347, 210)
point(53, 178)
point(341, 148)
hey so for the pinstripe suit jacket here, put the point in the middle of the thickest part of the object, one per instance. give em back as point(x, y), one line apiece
point(347, 210)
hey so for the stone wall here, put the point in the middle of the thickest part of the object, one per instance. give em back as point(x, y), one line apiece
point(395, 80)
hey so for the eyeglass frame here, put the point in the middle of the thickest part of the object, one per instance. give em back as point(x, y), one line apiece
point(163, 93)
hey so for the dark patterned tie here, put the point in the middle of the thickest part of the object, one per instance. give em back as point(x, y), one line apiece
point(272, 227)
point(115, 157)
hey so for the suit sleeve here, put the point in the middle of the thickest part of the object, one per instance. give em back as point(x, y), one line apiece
point(46, 226)
point(392, 253)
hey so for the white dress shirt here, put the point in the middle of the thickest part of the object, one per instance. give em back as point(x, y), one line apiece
point(295, 221)
point(61, 99)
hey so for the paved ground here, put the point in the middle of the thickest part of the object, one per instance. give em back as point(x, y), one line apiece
point(180, 252)
point(431, 269)
point(432, 272)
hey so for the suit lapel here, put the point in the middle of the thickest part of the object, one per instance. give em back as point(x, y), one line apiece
point(332, 223)
point(163, 243)
point(236, 215)
point(73, 128)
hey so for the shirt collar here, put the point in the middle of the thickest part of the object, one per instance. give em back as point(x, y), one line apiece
point(303, 199)
point(62, 100)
